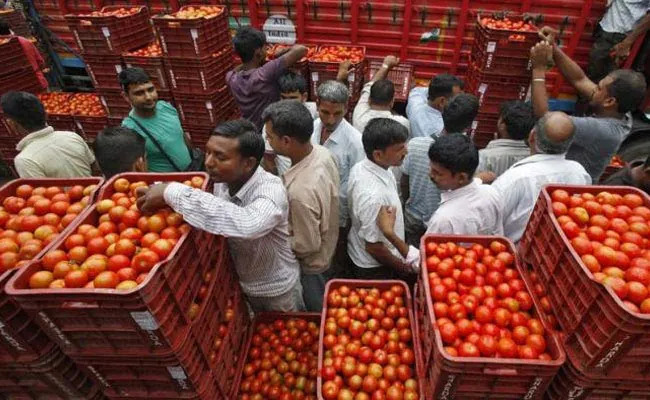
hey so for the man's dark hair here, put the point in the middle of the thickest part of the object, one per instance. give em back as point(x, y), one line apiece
point(133, 76)
point(5, 29)
point(455, 152)
point(518, 117)
point(117, 148)
point(381, 133)
point(443, 85)
point(382, 92)
point(460, 113)
point(246, 41)
point(290, 118)
point(251, 143)
point(24, 108)
point(291, 82)
point(628, 88)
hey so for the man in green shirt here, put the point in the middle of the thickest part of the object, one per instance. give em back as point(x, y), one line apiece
point(156, 121)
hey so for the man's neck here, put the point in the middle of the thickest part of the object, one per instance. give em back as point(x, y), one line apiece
point(252, 64)
point(145, 113)
point(609, 114)
point(299, 154)
point(234, 187)
point(379, 107)
point(432, 105)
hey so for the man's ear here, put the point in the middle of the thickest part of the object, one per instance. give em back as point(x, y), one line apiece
point(140, 165)
point(304, 97)
point(610, 102)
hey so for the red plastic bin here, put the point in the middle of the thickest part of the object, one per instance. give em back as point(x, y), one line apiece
point(13, 56)
point(206, 75)
point(401, 76)
point(381, 285)
point(205, 110)
point(89, 127)
point(601, 335)
point(104, 70)
point(494, 89)
point(479, 377)
point(22, 80)
point(114, 103)
point(101, 35)
point(321, 71)
point(192, 38)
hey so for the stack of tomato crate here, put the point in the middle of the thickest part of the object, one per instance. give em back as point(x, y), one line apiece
point(16, 21)
point(499, 69)
point(401, 76)
point(176, 331)
point(197, 52)
point(587, 249)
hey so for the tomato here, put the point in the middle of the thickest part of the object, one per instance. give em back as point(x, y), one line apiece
point(41, 280)
point(162, 247)
point(76, 279)
point(106, 280)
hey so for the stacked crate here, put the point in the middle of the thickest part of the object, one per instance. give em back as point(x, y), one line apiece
point(401, 76)
point(197, 55)
point(498, 71)
point(16, 21)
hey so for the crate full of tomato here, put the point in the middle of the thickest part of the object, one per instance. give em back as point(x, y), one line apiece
point(588, 245)
point(480, 325)
point(58, 110)
point(89, 114)
point(324, 66)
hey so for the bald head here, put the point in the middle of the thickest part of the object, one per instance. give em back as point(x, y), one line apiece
point(554, 133)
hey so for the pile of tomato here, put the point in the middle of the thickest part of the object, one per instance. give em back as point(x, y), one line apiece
point(87, 104)
point(33, 217)
point(368, 345)
point(481, 304)
point(508, 25)
point(276, 48)
point(118, 251)
point(610, 233)
point(338, 54)
point(194, 12)
point(120, 12)
point(282, 361)
point(153, 50)
point(56, 102)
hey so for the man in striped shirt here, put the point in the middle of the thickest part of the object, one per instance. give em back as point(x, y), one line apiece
point(250, 207)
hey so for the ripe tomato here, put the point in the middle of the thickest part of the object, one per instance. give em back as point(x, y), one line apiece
point(106, 280)
point(76, 279)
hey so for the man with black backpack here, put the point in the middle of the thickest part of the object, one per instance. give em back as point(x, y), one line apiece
point(167, 146)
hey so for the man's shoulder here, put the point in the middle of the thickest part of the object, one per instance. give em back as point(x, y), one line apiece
point(420, 143)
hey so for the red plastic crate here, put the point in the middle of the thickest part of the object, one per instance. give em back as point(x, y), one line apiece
point(600, 334)
point(205, 110)
point(115, 104)
point(494, 89)
point(13, 56)
point(321, 71)
point(206, 75)
point(381, 285)
point(110, 34)
point(479, 377)
point(155, 6)
point(153, 66)
point(192, 38)
point(89, 127)
point(104, 70)
point(23, 80)
point(16, 21)
point(401, 76)
point(81, 6)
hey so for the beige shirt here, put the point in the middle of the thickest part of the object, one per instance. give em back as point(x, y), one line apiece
point(313, 189)
point(53, 154)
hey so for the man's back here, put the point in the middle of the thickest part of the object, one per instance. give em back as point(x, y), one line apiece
point(363, 113)
point(424, 119)
point(53, 154)
point(424, 195)
point(501, 154)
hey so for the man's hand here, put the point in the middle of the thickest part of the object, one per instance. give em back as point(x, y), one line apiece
point(548, 34)
point(540, 54)
point(344, 70)
point(621, 50)
point(151, 199)
point(487, 177)
point(386, 220)
point(391, 61)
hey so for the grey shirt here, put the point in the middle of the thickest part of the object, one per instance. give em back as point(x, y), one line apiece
point(501, 154)
point(596, 140)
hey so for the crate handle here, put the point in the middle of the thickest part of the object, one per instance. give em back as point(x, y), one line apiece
point(423, 14)
point(79, 304)
point(342, 6)
point(394, 11)
point(369, 8)
point(500, 371)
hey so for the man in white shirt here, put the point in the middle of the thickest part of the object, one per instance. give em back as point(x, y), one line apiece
point(312, 185)
point(467, 207)
point(519, 186)
point(337, 135)
point(422, 196)
point(425, 105)
point(250, 207)
point(515, 122)
point(377, 255)
point(377, 98)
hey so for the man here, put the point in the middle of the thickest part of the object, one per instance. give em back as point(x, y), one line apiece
point(377, 248)
point(377, 98)
point(425, 105)
point(119, 149)
point(422, 196)
point(636, 174)
point(516, 119)
point(336, 134)
point(312, 185)
point(44, 152)
point(254, 84)
point(596, 138)
point(249, 206)
point(31, 53)
point(156, 121)
point(519, 186)
point(467, 207)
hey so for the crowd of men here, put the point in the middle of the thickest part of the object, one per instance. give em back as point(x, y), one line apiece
point(304, 195)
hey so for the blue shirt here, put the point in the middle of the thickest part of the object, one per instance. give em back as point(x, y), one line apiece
point(425, 120)
point(424, 195)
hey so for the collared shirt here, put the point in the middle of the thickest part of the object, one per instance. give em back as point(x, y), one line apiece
point(425, 120)
point(313, 190)
point(596, 141)
point(501, 154)
point(363, 113)
point(622, 15)
point(519, 187)
point(424, 195)
point(371, 187)
point(282, 163)
point(346, 147)
point(255, 221)
point(474, 209)
point(53, 154)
